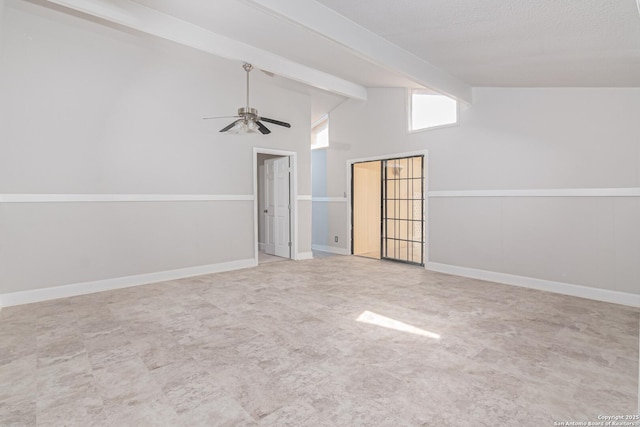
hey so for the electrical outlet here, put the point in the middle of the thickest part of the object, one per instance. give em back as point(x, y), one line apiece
point(335, 239)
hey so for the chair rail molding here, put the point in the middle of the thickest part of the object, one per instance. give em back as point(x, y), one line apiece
point(79, 198)
point(550, 192)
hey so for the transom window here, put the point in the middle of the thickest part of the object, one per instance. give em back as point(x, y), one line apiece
point(320, 133)
point(430, 109)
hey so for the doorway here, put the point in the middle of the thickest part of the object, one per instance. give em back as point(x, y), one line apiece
point(388, 209)
point(367, 206)
point(274, 207)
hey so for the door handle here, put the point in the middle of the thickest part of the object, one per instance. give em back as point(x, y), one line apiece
point(266, 211)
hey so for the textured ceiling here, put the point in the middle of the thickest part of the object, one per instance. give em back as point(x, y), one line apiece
point(240, 21)
point(521, 43)
point(512, 42)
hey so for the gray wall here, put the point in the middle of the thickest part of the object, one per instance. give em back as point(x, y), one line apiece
point(90, 109)
point(52, 244)
point(512, 139)
point(320, 231)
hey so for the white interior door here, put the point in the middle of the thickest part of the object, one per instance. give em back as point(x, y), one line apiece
point(277, 215)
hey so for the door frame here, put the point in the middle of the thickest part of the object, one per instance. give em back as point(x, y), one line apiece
point(293, 200)
point(350, 163)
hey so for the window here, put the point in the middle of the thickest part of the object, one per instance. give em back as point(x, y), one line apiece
point(320, 133)
point(430, 109)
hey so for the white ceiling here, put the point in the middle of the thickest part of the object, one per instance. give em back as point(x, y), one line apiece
point(241, 21)
point(525, 43)
point(512, 42)
point(343, 46)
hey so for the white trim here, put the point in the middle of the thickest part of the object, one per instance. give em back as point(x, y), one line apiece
point(45, 294)
point(165, 26)
point(597, 294)
point(427, 129)
point(391, 156)
point(293, 190)
point(330, 199)
point(304, 197)
point(329, 24)
point(550, 192)
point(304, 255)
point(76, 198)
point(330, 249)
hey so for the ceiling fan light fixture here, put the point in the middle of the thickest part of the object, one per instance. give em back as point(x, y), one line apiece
point(238, 128)
point(248, 120)
point(243, 127)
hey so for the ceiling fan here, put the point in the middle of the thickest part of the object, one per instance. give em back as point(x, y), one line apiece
point(248, 119)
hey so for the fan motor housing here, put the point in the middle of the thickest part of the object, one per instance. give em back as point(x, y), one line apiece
point(251, 112)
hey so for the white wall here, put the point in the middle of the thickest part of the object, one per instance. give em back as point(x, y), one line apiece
point(513, 139)
point(86, 108)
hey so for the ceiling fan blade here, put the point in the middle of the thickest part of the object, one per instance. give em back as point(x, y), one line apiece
point(262, 128)
point(226, 128)
point(275, 122)
point(220, 117)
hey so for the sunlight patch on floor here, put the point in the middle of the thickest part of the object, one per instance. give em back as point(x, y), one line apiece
point(386, 322)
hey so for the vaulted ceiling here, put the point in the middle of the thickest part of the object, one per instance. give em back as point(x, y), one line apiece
point(345, 46)
point(513, 42)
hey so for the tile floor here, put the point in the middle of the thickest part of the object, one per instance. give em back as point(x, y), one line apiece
point(264, 258)
point(281, 345)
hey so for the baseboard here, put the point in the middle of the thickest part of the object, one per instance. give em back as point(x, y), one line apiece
point(262, 246)
point(45, 294)
point(330, 249)
point(597, 294)
point(304, 255)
